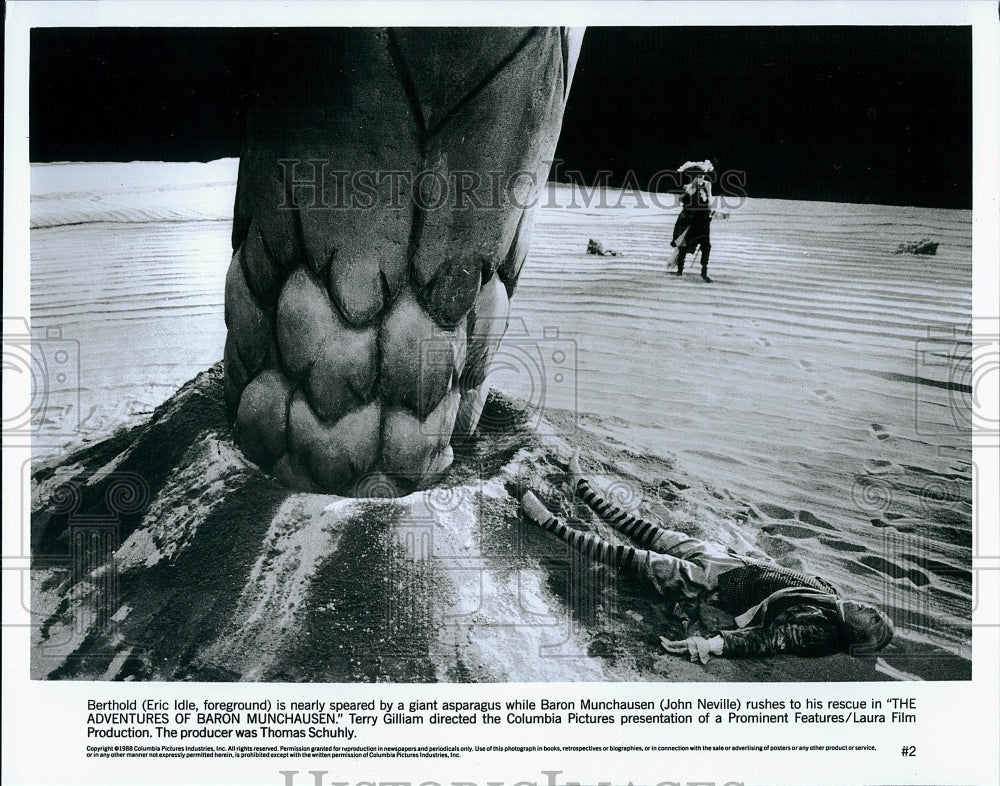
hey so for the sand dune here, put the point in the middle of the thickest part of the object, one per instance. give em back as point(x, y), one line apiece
point(815, 397)
point(809, 376)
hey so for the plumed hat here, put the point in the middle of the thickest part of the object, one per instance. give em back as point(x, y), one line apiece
point(696, 167)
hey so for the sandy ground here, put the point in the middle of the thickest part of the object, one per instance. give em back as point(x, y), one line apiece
point(812, 403)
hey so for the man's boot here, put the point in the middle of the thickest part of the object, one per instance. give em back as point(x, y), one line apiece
point(680, 263)
point(704, 264)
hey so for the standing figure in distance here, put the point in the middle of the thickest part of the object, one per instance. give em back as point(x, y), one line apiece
point(694, 221)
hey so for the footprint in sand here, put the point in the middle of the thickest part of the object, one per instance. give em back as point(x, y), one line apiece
point(868, 564)
point(879, 431)
point(776, 547)
point(942, 569)
point(665, 493)
point(857, 568)
point(882, 565)
point(774, 511)
point(788, 531)
point(763, 342)
point(783, 527)
point(904, 528)
point(842, 545)
point(805, 364)
point(921, 470)
point(808, 518)
point(823, 395)
point(877, 467)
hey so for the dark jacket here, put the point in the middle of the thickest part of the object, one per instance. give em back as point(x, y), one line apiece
point(747, 585)
point(797, 612)
point(803, 629)
point(695, 216)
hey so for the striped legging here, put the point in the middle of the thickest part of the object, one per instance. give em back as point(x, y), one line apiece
point(669, 562)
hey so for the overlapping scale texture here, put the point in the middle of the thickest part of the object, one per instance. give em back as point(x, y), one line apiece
point(381, 221)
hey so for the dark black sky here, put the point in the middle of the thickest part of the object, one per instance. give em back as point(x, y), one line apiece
point(857, 114)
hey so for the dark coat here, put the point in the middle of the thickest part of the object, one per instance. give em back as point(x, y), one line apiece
point(803, 629)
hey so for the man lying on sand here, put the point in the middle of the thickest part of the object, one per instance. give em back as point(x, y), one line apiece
point(778, 609)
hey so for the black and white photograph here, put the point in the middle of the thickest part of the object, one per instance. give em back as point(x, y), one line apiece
point(532, 359)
